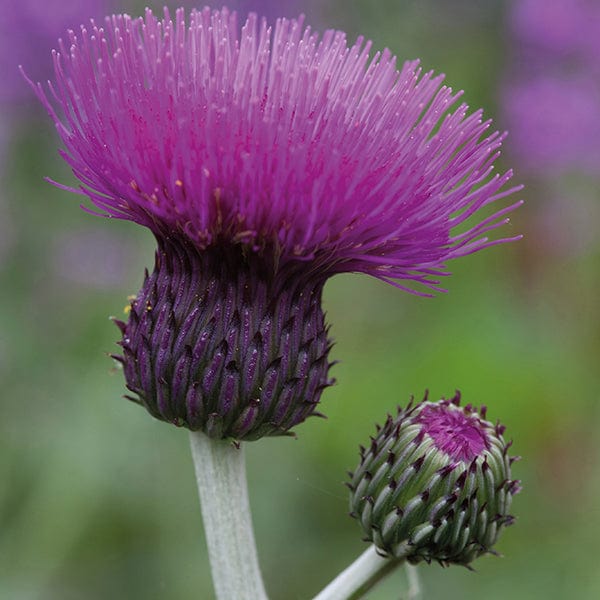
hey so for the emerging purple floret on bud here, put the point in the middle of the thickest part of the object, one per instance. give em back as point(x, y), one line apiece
point(457, 433)
point(435, 484)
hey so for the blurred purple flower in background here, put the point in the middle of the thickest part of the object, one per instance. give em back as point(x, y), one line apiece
point(556, 30)
point(552, 99)
point(28, 29)
point(551, 103)
point(555, 123)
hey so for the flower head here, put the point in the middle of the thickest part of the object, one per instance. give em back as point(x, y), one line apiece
point(264, 160)
point(435, 483)
point(274, 140)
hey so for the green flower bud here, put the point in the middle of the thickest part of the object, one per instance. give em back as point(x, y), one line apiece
point(434, 484)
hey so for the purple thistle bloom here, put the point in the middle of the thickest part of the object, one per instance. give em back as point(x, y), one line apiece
point(275, 140)
point(264, 161)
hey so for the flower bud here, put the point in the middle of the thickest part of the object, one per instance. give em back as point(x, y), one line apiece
point(434, 484)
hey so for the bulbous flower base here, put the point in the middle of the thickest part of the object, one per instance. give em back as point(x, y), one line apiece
point(221, 341)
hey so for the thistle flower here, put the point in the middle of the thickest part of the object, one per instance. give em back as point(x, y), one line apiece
point(435, 483)
point(264, 161)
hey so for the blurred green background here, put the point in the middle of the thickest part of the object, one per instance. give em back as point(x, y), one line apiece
point(98, 500)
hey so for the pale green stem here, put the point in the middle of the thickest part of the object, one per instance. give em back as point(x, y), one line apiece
point(221, 476)
point(354, 582)
point(414, 586)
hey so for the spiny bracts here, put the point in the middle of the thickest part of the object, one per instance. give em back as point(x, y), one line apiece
point(215, 341)
point(434, 484)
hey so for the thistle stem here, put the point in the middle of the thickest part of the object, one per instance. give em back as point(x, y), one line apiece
point(221, 477)
point(355, 581)
point(414, 585)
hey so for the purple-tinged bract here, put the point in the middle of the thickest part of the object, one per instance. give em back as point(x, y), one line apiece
point(215, 342)
point(264, 160)
point(434, 484)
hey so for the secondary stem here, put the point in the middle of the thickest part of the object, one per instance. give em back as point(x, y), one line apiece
point(354, 582)
point(221, 476)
